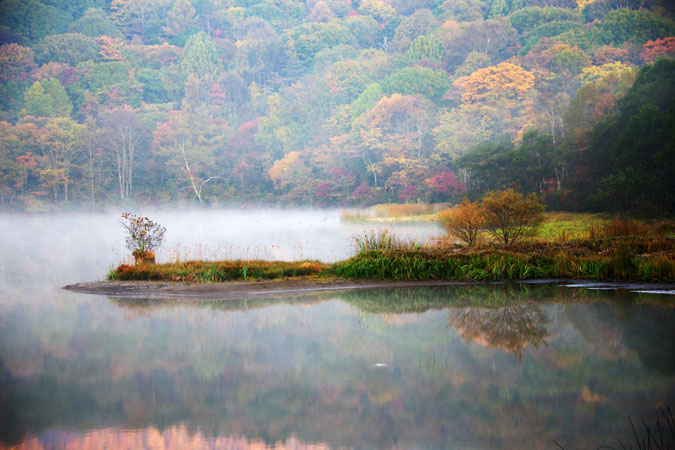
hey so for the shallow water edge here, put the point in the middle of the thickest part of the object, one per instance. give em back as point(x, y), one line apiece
point(237, 290)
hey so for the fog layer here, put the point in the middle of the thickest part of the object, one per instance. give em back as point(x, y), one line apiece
point(56, 249)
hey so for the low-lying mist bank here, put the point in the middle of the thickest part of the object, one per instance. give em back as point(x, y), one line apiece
point(55, 249)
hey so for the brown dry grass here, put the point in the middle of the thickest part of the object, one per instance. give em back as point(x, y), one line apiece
point(218, 271)
point(402, 209)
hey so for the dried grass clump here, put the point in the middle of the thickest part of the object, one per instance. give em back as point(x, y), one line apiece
point(627, 227)
point(218, 271)
point(402, 209)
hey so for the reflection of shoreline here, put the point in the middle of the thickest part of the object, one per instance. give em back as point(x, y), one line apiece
point(379, 297)
point(309, 372)
point(173, 437)
point(233, 290)
point(515, 291)
point(142, 307)
point(511, 328)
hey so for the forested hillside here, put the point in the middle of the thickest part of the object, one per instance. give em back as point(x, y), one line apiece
point(332, 102)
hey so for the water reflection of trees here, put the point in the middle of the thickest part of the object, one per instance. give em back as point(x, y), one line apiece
point(646, 330)
point(419, 299)
point(172, 437)
point(143, 307)
point(226, 377)
point(416, 299)
point(511, 328)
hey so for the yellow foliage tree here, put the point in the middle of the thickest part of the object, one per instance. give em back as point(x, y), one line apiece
point(596, 73)
point(581, 4)
point(289, 171)
point(504, 80)
point(510, 216)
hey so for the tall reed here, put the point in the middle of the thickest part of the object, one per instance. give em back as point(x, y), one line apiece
point(627, 227)
point(380, 240)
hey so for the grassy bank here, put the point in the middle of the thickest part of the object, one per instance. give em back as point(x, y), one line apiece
point(567, 245)
point(607, 259)
point(217, 271)
point(617, 259)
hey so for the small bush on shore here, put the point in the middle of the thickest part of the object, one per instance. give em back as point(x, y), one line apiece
point(143, 234)
point(463, 222)
point(509, 216)
point(506, 215)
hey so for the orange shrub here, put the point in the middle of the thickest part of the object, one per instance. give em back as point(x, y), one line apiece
point(463, 222)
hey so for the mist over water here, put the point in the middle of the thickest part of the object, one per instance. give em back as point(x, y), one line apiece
point(58, 249)
point(388, 368)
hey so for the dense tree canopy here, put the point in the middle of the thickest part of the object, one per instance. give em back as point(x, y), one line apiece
point(335, 102)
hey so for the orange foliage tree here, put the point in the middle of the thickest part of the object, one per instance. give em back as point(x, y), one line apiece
point(503, 80)
point(394, 137)
point(660, 47)
point(463, 221)
point(495, 100)
point(110, 48)
point(291, 173)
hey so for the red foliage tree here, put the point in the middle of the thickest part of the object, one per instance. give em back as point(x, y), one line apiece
point(409, 193)
point(445, 183)
point(652, 50)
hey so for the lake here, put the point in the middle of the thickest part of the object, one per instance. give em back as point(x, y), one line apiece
point(468, 366)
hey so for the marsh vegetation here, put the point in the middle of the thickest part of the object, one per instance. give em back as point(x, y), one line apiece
point(506, 237)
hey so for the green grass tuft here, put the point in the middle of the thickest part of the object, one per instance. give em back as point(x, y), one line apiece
point(606, 260)
point(217, 271)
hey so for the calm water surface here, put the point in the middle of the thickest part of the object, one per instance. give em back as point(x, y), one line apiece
point(407, 368)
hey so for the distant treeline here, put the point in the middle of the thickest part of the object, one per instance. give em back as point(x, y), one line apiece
point(334, 102)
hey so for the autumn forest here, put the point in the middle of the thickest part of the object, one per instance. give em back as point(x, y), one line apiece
point(337, 102)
